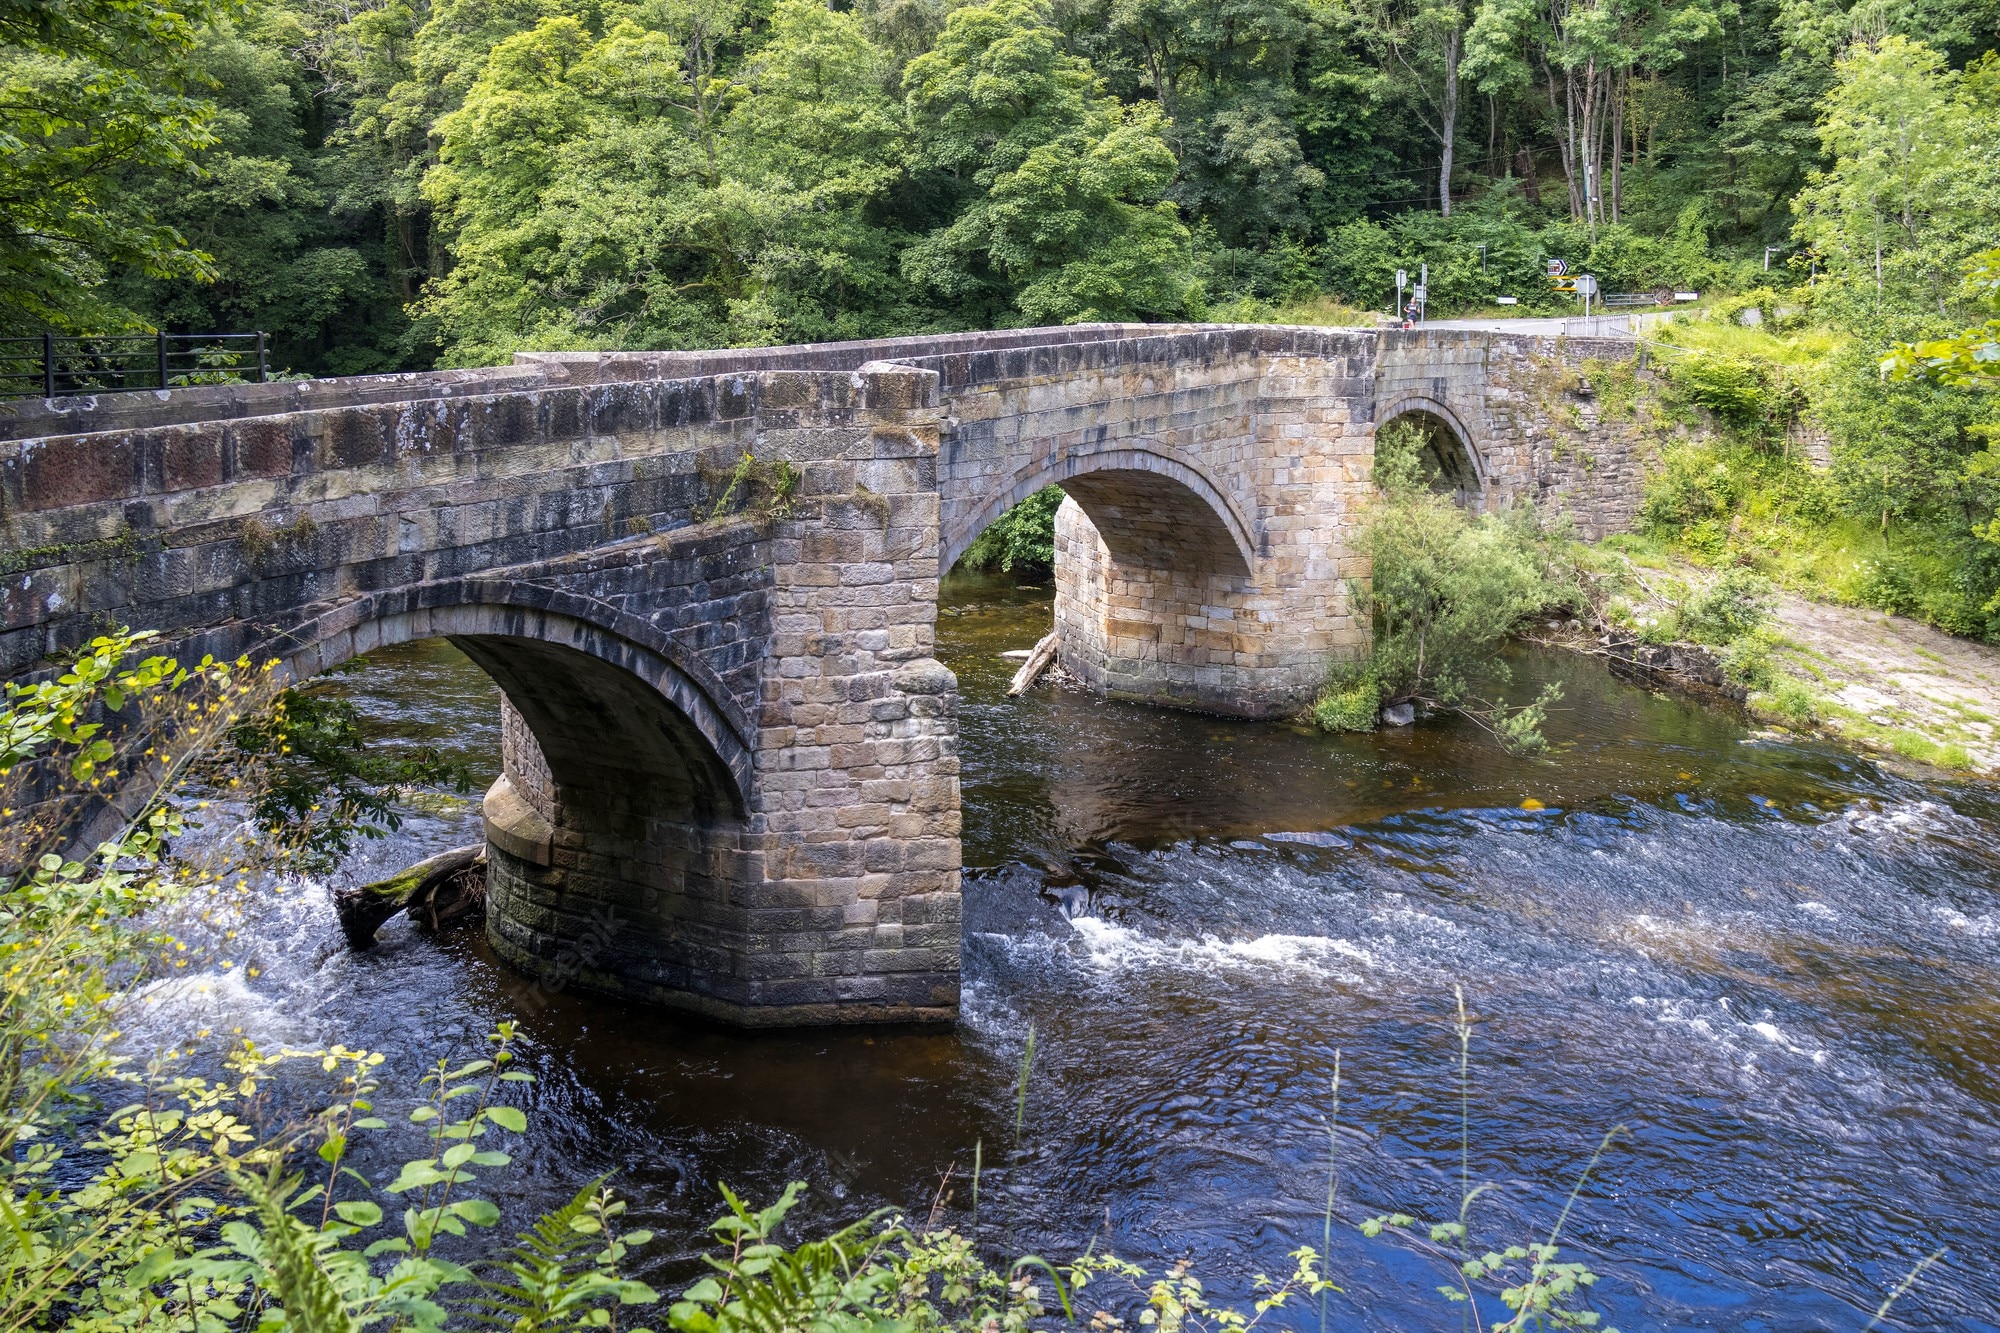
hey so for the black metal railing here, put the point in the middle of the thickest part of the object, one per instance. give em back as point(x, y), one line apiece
point(59, 366)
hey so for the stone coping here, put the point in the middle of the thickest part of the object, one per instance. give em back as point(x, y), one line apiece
point(960, 359)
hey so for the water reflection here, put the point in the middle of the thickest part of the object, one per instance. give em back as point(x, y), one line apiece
point(1776, 964)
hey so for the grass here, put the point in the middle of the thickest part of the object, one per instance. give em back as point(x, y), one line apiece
point(1804, 349)
point(1319, 311)
point(1901, 741)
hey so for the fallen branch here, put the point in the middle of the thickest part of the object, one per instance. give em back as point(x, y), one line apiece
point(433, 891)
point(1038, 662)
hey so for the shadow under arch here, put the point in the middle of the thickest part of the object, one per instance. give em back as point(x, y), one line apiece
point(1148, 505)
point(1449, 447)
point(580, 673)
point(616, 837)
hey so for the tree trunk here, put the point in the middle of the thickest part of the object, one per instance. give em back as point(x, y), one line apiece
point(1622, 89)
point(1448, 119)
point(1566, 145)
point(406, 236)
point(433, 891)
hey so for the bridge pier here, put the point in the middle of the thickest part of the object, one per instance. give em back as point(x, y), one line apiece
point(825, 888)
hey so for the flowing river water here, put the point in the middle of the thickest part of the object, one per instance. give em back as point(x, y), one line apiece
point(1776, 964)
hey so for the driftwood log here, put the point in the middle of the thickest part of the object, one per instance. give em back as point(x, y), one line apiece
point(1038, 662)
point(435, 890)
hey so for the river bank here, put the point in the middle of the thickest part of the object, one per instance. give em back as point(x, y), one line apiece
point(1886, 684)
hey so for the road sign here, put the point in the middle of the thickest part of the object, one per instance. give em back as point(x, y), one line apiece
point(1557, 268)
point(1421, 291)
point(1586, 284)
point(1402, 277)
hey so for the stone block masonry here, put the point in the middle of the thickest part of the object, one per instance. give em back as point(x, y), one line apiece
point(730, 757)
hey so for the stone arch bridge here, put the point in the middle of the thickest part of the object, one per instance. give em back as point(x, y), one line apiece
point(731, 781)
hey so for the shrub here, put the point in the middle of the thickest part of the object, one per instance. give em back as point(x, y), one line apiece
point(1747, 660)
point(1349, 701)
point(1790, 701)
point(1734, 605)
point(1403, 466)
point(1732, 387)
point(1938, 586)
point(1448, 589)
point(1690, 484)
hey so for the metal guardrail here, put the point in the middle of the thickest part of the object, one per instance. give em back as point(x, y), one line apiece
point(1613, 326)
point(59, 366)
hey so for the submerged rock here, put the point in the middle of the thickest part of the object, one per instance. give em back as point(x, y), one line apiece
point(434, 891)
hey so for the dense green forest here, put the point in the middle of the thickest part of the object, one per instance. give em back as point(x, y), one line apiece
point(388, 184)
point(399, 183)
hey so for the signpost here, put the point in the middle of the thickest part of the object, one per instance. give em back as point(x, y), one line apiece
point(1586, 287)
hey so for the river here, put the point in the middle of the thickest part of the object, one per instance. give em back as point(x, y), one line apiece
point(1776, 964)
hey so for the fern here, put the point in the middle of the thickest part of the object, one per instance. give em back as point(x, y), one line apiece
point(310, 1282)
point(832, 1285)
point(564, 1272)
point(289, 1255)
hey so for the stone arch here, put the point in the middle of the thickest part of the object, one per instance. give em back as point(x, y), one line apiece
point(1129, 490)
point(1453, 448)
point(531, 639)
point(620, 834)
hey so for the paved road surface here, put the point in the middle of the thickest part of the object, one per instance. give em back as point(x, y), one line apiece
point(1576, 326)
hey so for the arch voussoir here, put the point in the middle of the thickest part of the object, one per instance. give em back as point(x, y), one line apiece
point(1413, 403)
point(1068, 465)
point(484, 608)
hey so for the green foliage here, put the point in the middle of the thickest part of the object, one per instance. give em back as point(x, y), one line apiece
point(1402, 465)
point(321, 785)
point(1067, 214)
point(1789, 700)
point(1349, 701)
point(1728, 386)
point(1966, 360)
point(1903, 517)
point(564, 1272)
point(879, 1273)
point(771, 488)
point(761, 1286)
point(1448, 589)
point(386, 185)
point(1733, 606)
point(183, 1204)
point(1915, 176)
point(92, 93)
point(1021, 540)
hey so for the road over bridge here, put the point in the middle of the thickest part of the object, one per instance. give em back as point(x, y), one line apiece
point(706, 584)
